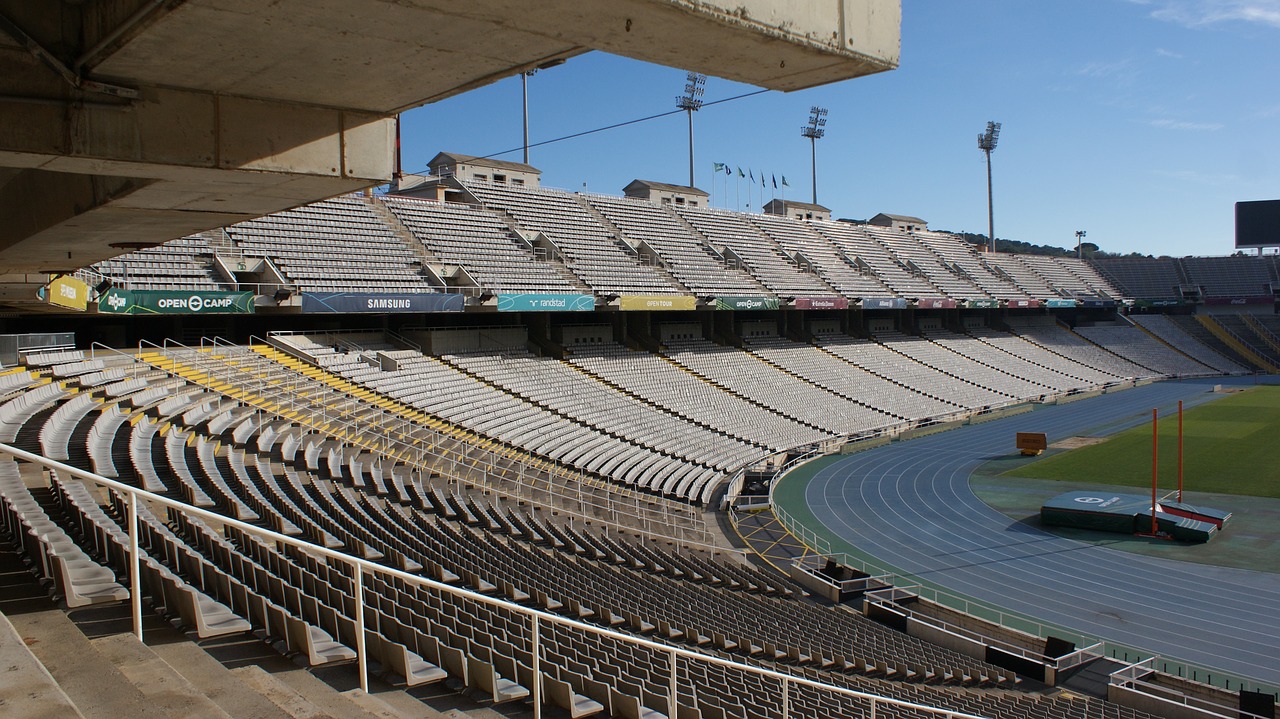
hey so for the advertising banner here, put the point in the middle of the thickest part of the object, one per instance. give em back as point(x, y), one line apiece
point(884, 303)
point(1097, 303)
point(1060, 303)
point(935, 303)
point(382, 303)
point(985, 304)
point(1026, 303)
point(174, 302)
point(1254, 300)
point(822, 303)
point(67, 292)
point(546, 303)
point(747, 303)
point(656, 302)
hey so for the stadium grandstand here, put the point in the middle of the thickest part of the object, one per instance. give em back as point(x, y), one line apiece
point(475, 447)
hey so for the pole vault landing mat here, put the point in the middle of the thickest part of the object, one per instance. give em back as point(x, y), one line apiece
point(1131, 514)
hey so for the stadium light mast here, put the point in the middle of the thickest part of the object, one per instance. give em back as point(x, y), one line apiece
point(814, 131)
point(524, 94)
point(690, 102)
point(1079, 236)
point(987, 142)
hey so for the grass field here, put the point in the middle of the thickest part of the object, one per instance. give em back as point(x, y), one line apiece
point(1231, 446)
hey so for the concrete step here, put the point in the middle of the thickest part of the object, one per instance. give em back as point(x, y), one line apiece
point(90, 680)
point(283, 696)
point(328, 700)
point(29, 690)
point(159, 683)
point(212, 678)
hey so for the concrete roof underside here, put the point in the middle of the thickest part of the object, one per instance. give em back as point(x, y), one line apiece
point(217, 111)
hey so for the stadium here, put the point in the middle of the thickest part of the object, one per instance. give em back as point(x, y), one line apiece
point(472, 446)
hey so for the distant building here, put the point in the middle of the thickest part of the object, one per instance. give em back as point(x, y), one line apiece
point(483, 169)
point(798, 210)
point(661, 193)
point(906, 223)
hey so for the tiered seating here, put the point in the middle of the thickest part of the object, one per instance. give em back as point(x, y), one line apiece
point(553, 385)
point(1255, 337)
point(55, 557)
point(771, 266)
point(1192, 326)
point(962, 256)
point(1229, 276)
point(684, 255)
point(181, 264)
point(799, 240)
point(1143, 349)
point(923, 351)
point(1040, 376)
point(217, 582)
point(1057, 274)
point(756, 380)
point(479, 243)
point(1148, 278)
point(446, 392)
point(336, 245)
point(595, 257)
point(894, 366)
point(1047, 333)
point(1094, 282)
point(656, 380)
point(1166, 329)
point(912, 253)
point(854, 242)
point(849, 381)
point(1023, 349)
point(1020, 274)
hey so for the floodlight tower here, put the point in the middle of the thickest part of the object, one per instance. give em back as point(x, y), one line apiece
point(987, 142)
point(691, 101)
point(524, 93)
point(814, 131)
point(1079, 236)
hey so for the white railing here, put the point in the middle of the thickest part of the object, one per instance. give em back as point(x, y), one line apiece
point(1134, 677)
point(537, 618)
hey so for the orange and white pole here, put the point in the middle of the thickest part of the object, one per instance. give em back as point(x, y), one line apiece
point(1179, 450)
point(1155, 459)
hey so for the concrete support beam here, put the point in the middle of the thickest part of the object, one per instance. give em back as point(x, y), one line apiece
point(390, 55)
point(176, 162)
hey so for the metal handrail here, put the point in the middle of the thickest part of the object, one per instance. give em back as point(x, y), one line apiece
point(360, 567)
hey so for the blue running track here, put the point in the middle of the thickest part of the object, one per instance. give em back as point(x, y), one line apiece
point(909, 505)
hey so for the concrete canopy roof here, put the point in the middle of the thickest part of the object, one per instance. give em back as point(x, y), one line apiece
point(132, 122)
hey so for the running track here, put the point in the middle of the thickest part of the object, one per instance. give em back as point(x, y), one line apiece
point(909, 505)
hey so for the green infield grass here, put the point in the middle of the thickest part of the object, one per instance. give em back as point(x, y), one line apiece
point(1230, 446)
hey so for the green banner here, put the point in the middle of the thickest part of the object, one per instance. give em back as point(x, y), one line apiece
point(174, 302)
point(1060, 303)
point(747, 303)
point(983, 304)
point(546, 303)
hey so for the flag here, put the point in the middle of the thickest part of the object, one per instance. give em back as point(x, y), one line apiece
point(727, 171)
point(718, 165)
point(775, 181)
point(762, 178)
point(740, 174)
point(751, 175)
point(784, 181)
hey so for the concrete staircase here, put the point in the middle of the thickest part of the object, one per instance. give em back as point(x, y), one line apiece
point(87, 664)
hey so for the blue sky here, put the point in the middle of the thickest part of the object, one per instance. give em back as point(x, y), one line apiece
point(1141, 122)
